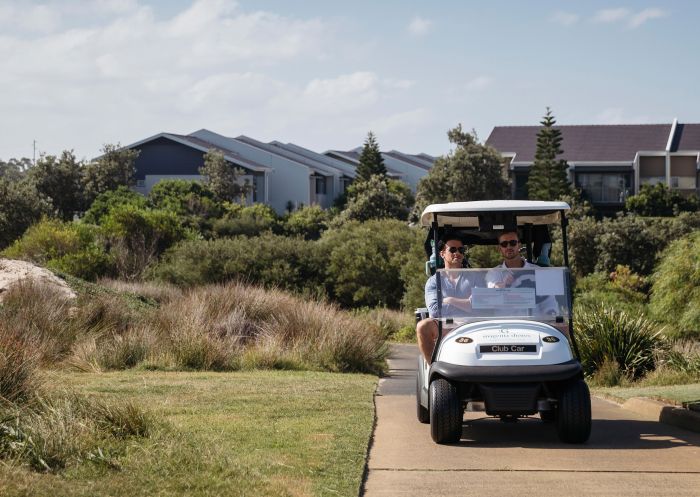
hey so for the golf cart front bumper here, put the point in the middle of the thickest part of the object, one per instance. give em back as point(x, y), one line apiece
point(507, 374)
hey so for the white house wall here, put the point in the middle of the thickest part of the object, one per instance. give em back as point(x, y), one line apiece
point(288, 181)
point(410, 174)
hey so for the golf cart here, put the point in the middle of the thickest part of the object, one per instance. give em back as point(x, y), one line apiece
point(506, 340)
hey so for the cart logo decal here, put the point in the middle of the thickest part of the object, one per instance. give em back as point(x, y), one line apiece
point(464, 340)
point(507, 348)
point(550, 339)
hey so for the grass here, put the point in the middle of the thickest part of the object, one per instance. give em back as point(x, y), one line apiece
point(673, 394)
point(242, 433)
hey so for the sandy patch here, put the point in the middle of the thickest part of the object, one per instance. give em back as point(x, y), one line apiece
point(12, 271)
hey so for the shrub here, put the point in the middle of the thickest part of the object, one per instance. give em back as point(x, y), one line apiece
point(605, 334)
point(191, 201)
point(249, 221)
point(109, 200)
point(138, 236)
point(675, 293)
point(364, 262)
point(377, 198)
point(628, 240)
point(308, 222)
point(64, 246)
point(19, 360)
point(583, 250)
point(41, 315)
point(269, 260)
point(232, 326)
point(597, 289)
point(659, 200)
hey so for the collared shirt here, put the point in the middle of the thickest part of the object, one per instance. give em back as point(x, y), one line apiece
point(545, 305)
point(459, 287)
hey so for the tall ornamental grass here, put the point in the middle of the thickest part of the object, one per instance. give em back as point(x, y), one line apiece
point(605, 335)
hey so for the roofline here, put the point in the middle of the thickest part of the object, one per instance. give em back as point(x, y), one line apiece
point(672, 134)
point(266, 147)
point(183, 141)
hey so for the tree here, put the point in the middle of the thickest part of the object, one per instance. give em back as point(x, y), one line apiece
point(60, 179)
point(21, 205)
point(113, 169)
point(377, 198)
point(371, 161)
point(548, 178)
point(222, 177)
point(194, 203)
point(105, 202)
point(471, 172)
point(14, 169)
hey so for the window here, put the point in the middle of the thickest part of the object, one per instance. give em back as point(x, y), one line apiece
point(605, 187)
point(140, 183)
point(683, 182)
point(320, 185)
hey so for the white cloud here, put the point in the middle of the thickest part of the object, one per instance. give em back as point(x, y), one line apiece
point(644, 16)
point(420, 26)
point(629, 18)
point(477, 84)
point(611, 15)
point(564, 18)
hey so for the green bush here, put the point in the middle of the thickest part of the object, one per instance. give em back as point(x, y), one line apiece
point(248, 221)
point(659, 200)
point(269, 260)
point(65, 246)
point(138, 236)
point(605, 334)
point(583, 250)
point(628, 240)
point(377, 198)
point(308, 222)
point(364, 262)
point(675, 293)
point(597, 289)
point(109, 200)
point(193, 203)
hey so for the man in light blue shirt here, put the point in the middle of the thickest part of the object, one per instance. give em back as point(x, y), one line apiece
point(456, 295)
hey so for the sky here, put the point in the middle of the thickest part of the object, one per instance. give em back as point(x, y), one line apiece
point(75, 75)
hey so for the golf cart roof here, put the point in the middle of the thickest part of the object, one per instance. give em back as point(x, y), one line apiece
point(467, 214)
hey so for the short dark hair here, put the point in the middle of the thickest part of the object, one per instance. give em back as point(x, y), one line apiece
point(506, 232)
point(446, 238)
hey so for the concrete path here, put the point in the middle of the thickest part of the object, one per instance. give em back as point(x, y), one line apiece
point(627, 454)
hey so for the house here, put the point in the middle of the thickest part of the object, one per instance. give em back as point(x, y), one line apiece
point(609, 162)
point(282, 175)
point(407, 168)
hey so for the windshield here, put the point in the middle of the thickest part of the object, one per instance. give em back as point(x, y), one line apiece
point(540, 294)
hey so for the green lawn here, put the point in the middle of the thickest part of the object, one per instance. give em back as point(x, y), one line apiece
point(249, 433)
point(674, 394)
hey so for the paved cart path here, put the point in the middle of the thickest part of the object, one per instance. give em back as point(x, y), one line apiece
point(627, 454)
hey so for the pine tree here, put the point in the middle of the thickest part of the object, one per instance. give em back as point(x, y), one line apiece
point(371, 161)
point(548, 178)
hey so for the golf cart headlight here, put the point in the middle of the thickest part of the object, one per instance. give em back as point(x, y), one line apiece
point(464, 340)
point(550, 339)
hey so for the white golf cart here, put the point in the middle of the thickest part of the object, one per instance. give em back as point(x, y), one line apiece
point(505, 336)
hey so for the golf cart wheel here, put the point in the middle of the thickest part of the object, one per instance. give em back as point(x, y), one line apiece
point(445, 412)
point(549, 416)
point(423, 413)
point(574, 413)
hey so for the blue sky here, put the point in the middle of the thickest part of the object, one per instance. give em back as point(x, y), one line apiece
point(77, 74)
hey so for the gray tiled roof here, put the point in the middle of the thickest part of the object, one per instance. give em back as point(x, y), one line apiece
point(687, 138)
point(585, 143)
point(408, 158)
point(241, 161)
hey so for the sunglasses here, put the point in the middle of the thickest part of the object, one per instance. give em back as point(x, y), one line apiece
point(512, 243)
point(452, 250)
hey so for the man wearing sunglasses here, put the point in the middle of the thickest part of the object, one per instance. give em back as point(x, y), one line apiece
point(456, 294)
point(501, 277)
point(509, 247)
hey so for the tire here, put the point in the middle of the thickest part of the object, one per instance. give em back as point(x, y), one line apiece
point(574, 413)
point(445, 412)
point(423, 413)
